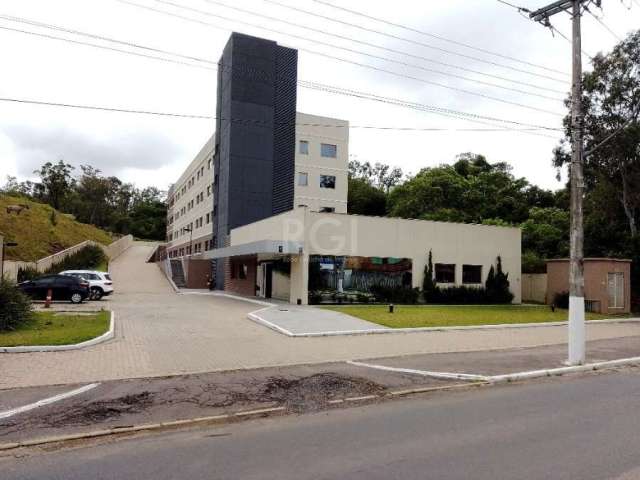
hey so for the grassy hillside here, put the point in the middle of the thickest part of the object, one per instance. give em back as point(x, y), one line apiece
point(42, 231)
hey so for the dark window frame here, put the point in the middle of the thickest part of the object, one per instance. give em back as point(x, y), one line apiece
point(326, 183)
point(472, 274)
point(445, 272)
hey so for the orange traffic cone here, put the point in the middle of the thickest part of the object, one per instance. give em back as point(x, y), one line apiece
point(47, 302)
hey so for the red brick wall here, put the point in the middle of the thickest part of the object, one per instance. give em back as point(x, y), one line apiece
point(197, 272)
point(241, 286)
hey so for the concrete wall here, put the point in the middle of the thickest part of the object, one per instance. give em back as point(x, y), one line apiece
point(314, 130)
point(281, 286)
point(596, 271)
point(534, 287)
point(113, 250)
point(354, 235)
point(287, 226)
point(460, 244)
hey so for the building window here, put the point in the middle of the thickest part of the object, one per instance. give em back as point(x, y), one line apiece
point(242, 271)
point(472, 274)
point(209, 164)
point(327, 181)
point(208, 190)
point(328, 150)
point(445, 273)
point(304, 147)
point(303, 179)
point(208, 218)
point(327, 210)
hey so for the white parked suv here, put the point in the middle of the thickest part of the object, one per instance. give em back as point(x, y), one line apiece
point(100, 283)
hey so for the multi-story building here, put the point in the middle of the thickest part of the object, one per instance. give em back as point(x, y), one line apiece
point(190, 207)
point(320, 183)
point(262, 209)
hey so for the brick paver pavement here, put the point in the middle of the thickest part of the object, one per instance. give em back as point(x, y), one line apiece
point(159, 332)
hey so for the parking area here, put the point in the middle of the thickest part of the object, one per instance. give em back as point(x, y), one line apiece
point(161, 333)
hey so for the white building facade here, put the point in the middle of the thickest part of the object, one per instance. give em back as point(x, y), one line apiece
point(321, 173)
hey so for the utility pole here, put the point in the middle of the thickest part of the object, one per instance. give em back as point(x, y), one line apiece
point(577, 338)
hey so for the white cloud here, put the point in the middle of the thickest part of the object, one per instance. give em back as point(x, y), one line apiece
point(148, 149)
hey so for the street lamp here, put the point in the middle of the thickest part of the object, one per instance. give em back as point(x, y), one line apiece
point(4, 244)
point(190, 230)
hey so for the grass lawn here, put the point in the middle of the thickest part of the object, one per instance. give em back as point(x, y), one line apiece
point(57, 328)
point(411, 316)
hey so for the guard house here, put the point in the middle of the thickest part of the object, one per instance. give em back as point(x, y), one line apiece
point(607, 283)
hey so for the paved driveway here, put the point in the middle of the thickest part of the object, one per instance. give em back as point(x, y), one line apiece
point(159, 332)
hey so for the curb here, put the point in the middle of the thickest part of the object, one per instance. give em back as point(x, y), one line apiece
point(509, 377)
point(108, 335)
point(222, 419)
point(552, 372)
point(377, 331)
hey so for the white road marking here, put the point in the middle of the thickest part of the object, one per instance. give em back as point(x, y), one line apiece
point(424, 373)
point(48, 401)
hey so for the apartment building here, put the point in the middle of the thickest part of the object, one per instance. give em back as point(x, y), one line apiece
point(320, 183)
point(190, 207)
point(322, 158)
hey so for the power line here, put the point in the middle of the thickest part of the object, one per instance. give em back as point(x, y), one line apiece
point(103, 47)
point(352, 62)
point(415, 42)
point(325, 88)
point(479, 119)
point(90, 35)
point(99, 37)
point(249, 121)
point(400, 52)
point(439, 37)
point(606, 27)
point(547, 24)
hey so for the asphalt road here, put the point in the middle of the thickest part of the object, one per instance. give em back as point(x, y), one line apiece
point(574, 428)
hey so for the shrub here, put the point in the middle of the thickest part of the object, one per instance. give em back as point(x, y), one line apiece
point(429, 287)
point(497, 285)
point(561, 300)
point(15, 307)
point(87, 258)
point(401, 295)
point(461, 295)
point(27, 273)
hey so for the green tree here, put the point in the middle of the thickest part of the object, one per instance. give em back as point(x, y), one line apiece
point(365, 199)
point(56, 183)
point(612, 130)
point(429, 287)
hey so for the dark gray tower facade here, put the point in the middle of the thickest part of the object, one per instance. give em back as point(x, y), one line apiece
point(254, 156)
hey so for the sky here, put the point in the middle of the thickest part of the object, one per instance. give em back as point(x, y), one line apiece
point(153, 150)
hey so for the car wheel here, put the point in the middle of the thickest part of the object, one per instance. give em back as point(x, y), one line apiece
point(76, 298)
point(96, 293)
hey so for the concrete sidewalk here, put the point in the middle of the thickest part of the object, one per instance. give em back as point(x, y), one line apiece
point(298, 320)
point(295, 389)
point(502, 362)
point(160, 333)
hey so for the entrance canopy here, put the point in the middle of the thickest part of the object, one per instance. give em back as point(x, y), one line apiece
point(259, 247)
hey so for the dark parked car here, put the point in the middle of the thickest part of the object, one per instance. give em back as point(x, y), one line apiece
point(62, 288)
